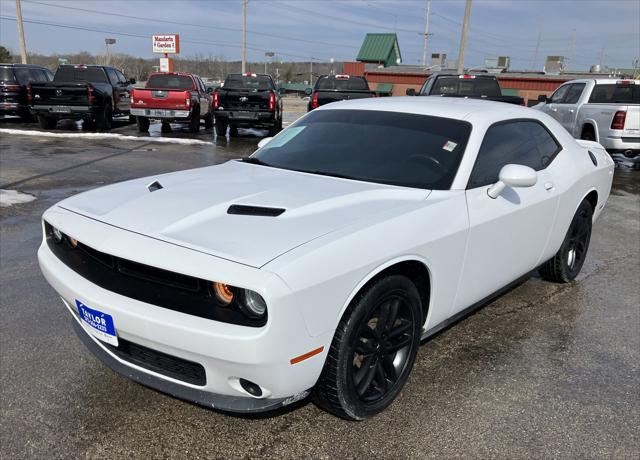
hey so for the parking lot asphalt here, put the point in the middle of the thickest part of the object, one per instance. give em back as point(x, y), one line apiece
point(545, 370)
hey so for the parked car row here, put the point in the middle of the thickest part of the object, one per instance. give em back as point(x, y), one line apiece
point(95, 94)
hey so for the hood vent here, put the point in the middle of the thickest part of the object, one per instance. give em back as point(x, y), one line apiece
point(244, 210)
point(155, 185)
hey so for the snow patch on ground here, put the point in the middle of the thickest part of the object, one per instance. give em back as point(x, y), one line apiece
point(11, 197)
point(161, 140)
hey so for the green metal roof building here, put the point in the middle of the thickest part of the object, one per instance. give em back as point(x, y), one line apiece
point(381, 49)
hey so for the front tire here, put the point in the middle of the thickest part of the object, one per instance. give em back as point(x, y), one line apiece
point(373, 350)
point(568, 261)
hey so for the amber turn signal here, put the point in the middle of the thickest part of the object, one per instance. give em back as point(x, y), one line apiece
point(223, 293)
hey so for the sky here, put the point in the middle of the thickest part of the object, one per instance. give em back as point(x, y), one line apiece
point(588, 31)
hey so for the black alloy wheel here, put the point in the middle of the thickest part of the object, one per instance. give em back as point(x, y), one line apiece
point(568, 261)
point(373, 350)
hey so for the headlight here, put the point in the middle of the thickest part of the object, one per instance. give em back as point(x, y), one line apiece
point(252, 304)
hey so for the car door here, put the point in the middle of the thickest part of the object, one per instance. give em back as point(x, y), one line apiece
point(115, 84)
point(508, 234)
point(125, 87)
point(555, 101)
point(568, 107)
point(203, 96)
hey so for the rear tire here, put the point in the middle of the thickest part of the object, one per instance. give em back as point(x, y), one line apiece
point(194, 123)
point(568, 261)
point(208, 121)
point(104, 118)
point(221, 128)
point(588, 134)
point(165, 127)
point(373, 350)
point(233, 131)
point(132, 119)
point(26, 116)
point(276, 129)
point(47, 122)
point(143, 124)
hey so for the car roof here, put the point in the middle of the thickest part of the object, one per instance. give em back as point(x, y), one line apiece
point(12, 64)
point(472, 110)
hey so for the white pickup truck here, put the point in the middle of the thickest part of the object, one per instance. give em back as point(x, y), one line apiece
point(602, 110)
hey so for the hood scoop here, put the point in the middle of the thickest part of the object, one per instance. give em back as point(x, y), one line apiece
point(155, 185)
point(244, 210)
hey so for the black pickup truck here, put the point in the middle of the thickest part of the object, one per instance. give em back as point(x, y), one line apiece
point(247, 100)
point(88, 92)
point(333, 88)
point(464, 85)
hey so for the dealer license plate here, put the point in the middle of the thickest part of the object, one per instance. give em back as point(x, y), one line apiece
point(61, 109)
point(98, 324)
point(159, 113)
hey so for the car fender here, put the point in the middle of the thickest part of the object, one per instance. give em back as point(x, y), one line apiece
point(379, 269)
point(594, 125)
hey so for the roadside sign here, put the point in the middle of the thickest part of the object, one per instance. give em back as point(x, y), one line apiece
point(166, 44)
point(63, 61)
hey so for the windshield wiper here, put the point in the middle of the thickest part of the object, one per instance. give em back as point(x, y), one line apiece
point(254, 161)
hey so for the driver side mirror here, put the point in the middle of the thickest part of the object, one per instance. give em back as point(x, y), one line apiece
point(513, 176)
point(543, 98)
point(132, 81)
point(308, 91)
point(411, 92)
point(264, 142)
point(209, 89)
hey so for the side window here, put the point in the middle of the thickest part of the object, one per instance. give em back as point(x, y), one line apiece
point(426, 88)
point(200, 85)
point(556, 98)
point(121, 77)
point(523, 142)
point(37, 75)
point(113, 76)
point(49, 75)
point(23, 75)
point(574, 93)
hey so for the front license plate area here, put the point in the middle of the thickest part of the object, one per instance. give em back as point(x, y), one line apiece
point(61, 109)
point(98, 324)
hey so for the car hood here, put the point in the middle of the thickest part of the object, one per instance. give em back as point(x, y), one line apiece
point(191, 208)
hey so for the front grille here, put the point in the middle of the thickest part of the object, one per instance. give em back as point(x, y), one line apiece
point(156, 286)
point(162, 363)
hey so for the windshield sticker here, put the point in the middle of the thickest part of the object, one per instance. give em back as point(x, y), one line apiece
point(449, 146)
point(284, 137)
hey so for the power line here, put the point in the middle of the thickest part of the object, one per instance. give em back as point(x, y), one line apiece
point(179, 23)
point(146, 37)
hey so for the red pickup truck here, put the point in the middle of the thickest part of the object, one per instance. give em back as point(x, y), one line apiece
point(172, 97)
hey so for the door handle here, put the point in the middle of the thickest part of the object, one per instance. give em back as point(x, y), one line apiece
point(554, 109)
point(571, 110)
point(548, 186)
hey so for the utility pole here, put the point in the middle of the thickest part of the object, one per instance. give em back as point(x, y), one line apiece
point(311, 71)
point(23, 45)
point(535, 54)
point(244, 36)
point(426, 34)
point(571, 45)
point(463, 38)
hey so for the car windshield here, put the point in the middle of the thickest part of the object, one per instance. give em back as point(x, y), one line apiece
point(394, 148)
point(250, 82)
point(6, 75)
point(170, 82)
point(477, 86)
point(342, 83)
point(80, 73)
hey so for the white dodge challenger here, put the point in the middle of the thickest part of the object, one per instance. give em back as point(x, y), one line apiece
point(318, 264)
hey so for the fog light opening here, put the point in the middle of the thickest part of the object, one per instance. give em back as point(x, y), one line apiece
point(251, 388)
point(57, 235)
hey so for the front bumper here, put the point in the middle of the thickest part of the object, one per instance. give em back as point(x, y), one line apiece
point(227, 352)
point(161, 113)
point(204, 398)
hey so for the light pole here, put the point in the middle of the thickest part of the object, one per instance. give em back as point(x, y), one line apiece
point(268, 54)
point(107, 42)
point(331, 61)
point(463, 38)
point(244, 36)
